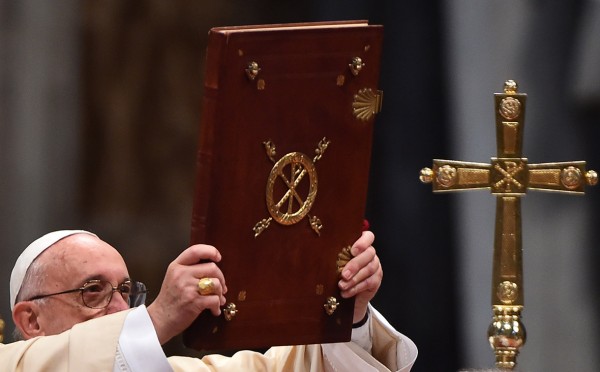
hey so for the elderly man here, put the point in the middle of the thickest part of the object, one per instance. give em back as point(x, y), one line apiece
point(65, 308)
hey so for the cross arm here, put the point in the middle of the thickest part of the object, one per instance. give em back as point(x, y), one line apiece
point(452, 175)
point(564, 177)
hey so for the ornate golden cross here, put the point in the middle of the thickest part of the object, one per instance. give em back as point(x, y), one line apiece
point(509, 177)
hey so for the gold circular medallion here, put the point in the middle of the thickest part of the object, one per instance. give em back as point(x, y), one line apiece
point(571, 177)
point(290, 206)
point(507, 292)
point(446, 176)
point(510, 108)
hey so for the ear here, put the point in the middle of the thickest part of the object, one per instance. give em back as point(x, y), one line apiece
point(25, 316)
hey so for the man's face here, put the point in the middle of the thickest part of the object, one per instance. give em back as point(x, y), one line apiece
point(69, 264)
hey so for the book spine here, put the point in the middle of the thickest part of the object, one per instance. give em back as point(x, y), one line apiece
point(204, 157)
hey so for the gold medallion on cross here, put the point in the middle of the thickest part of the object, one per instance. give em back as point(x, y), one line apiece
point(509, 177)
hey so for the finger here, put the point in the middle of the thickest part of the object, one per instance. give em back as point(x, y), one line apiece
point(365, 271)
point(180, 274)
point(212, 302)
point(217, 295)
point(365, 241)
point(370, 283)
point(208, 270)
point(358, 262)
point(216, 287)
point(197, 253)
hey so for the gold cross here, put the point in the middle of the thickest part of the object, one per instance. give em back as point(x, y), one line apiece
point(509, 177)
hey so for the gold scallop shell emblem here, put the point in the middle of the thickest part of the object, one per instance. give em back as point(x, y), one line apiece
point(343, 258)
point(366, 104)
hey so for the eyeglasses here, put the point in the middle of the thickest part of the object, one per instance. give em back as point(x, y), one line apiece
point(96, 293)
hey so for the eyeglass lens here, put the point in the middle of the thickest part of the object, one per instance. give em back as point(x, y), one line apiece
point(98, 293)
point(137, 296)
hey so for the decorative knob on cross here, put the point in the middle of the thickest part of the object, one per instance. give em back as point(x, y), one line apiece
point(509, 177)
point(591, 178)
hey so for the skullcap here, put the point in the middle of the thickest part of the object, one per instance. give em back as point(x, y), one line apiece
point(30, 254)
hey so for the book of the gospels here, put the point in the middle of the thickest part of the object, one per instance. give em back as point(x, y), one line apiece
point(282, 174)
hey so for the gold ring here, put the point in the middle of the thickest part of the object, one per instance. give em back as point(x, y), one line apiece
point(206, 286)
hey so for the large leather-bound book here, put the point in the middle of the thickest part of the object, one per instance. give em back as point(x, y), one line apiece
point(282, 174)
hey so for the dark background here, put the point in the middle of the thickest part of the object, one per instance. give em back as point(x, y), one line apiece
point(118, 90)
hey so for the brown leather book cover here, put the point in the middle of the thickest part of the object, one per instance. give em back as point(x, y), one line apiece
point(282, 174)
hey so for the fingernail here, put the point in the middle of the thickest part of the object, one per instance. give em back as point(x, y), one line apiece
point(346, 274)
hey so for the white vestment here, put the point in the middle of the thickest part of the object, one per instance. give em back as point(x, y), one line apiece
point(126, 341)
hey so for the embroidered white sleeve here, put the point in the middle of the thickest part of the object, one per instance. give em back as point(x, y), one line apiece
point(139, 348)
point(120, 362)
point(362, 335)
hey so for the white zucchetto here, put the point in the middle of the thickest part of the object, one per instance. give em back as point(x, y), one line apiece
point(30, 253)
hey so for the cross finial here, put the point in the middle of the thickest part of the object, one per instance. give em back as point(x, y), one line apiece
point(510, 87)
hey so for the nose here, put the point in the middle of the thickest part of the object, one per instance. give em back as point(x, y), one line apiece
point(117, 303)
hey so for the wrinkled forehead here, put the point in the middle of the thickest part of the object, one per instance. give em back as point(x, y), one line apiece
point(81, 257)
point(67, 255)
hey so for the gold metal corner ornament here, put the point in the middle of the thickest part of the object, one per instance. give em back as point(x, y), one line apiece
point(230, 311)
point(261, 226)
point(367, 103)
point(271, 150)
point(331, 305)
point(356, 65)
point(252, 70)
point(315, 224)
